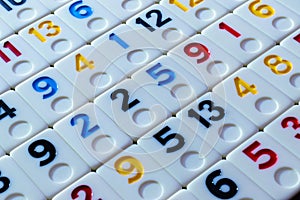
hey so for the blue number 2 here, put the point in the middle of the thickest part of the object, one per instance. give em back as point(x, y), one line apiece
point(43, 84)
point(82, 11)
point(86, 123)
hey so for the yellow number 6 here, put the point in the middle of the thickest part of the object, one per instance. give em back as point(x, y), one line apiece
point(263, 11)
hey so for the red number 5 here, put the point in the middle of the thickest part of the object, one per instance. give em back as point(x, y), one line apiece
point(255, 156)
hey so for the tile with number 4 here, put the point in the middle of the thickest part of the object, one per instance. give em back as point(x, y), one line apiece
point(198, 14)
point(133, 109)
point(269, 165)
point(91, 186)
point(205, 60)
point(144, 179)
point(15, 184)
point(253, 96)
point(281, 68)
point(88, 18)
point(51, 95)
point(51, 37)
point(180, 147)
point(16, 126)
point(160, 27)
point(19, 60)
point(126, 48)
point(286, 129)
point(168, 82)
point(49, 162)
point(225, 181)
point(89, 71)
point(292, 42)
point(238, 38)
point(270, 17)
point(92, 134)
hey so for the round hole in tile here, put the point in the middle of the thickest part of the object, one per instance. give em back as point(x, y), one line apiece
point(171, 35)
point(283, 23)
point(251, 45)
point(181, 92)
point(97, 24)
point(266, 105)
point(103, 144)
point(286, 177)
point(131, 5)
point(61, 105)
point(138, 56)
point(230, 132)
point(205, 14)
point(26, 14)
point(61, 46)
point(60, 173)
point(22, 68)
point(20, 129)
point(217, 68)
point(150, 190)
point(142, 117)
point(100, 80)
point(191, 160)
point(295, 80)
point(16, 196)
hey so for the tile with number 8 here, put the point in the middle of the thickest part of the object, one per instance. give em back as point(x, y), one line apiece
point(253, 96)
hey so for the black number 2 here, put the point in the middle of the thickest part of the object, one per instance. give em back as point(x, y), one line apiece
point(48, 149)
point(159, 21)
point(125, 104)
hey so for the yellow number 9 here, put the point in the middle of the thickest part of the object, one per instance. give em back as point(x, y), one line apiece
point(263, 11)
point(134, 165)
point(278, 61)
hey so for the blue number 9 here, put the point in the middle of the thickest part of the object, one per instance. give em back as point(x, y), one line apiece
point(48, 83)
point(82, 11)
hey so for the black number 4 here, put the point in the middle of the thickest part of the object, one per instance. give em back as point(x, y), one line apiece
point(7, 110)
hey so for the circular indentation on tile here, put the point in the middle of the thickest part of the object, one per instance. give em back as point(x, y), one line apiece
point(230, 132)
point(251, 45)
point(97, 24)
point(16, 196)
point(138, 56)
point(295, 80)
point(150, 190)
point(171, 35)
point(22, 68)
point(26, 14)
point(100, 80)
point(142, 117)
point(217, 68)
point(103, 144)
point(181, 91)
point(205, 14)
point(191, 160)
point(131, 5)
point(20, 129)
point(266, 105)
point(283, 23)
point(61, 105)
point(60, 173)
point(61, 46)
point(286, 177)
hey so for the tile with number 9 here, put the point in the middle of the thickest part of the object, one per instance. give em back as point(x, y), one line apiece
point(92, 134)
point(51, 37)
point(253, 96)
point(269, 165)
point(133, 109)
point(51, 95)
point(49, 162)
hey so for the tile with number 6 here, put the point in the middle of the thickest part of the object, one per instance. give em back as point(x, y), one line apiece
point(49, 162)
point(51, 95)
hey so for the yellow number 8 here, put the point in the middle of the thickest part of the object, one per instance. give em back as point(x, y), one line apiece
point(134, 165)
point(263, 11)
point(274, 65)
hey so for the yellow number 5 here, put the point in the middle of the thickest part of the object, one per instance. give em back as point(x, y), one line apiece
point(275, 64)
point(263, 11)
